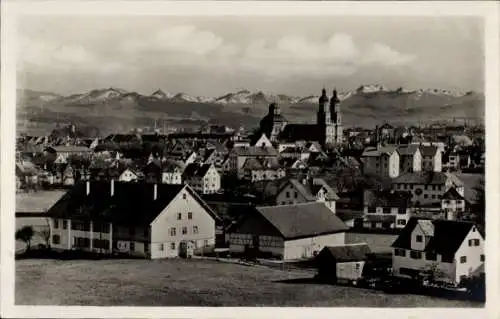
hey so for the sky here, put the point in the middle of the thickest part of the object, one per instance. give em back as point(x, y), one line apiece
point(211, 56)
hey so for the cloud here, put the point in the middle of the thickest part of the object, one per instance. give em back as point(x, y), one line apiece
point(50, 55)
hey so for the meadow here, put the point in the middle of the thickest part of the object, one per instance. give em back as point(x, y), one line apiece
point(191, 283)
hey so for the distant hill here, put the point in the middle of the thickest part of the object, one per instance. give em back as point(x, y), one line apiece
point(366, 106)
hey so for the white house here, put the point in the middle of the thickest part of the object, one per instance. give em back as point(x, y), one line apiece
point(204, 178)
point(287, 232)
point(448, 250)
point(171, 172)
point(309, 190)
point(381, 160)
point(148, 220)
point(452, 204)
point(410, 158)
point(427, 187)
point(386, 209)
point(431, 158)
point(128, 175)
point(263, 141)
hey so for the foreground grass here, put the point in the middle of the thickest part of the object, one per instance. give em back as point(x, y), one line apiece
point(190, 283)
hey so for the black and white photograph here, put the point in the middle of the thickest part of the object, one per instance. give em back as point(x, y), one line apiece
point(228, 159)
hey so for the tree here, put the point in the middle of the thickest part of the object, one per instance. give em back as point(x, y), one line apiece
point(479, 205)
point(25, 234)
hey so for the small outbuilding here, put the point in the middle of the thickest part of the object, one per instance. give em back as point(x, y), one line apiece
point(342, 263)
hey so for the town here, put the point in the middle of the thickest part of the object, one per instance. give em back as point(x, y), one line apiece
point(388, 208)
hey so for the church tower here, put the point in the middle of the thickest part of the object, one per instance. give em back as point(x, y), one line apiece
point(324, 119)
point(336, 121)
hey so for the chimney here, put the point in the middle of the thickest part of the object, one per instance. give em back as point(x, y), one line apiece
point(112, 187)
point(155, 191)
point(88, 187)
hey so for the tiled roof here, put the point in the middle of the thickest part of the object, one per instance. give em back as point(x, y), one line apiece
point(255, 151)
point(452, 193)
point(347, 253)
point(297, 132)
point(75, 149)
point(447, 236)
point(429, 150)
point(380, 218)
point(378, 151)
point(196, 170)
point(132, 203)
point(430, 178)
point(386, 198)
point(302, 220)
point(407, 150)
point(347, 214)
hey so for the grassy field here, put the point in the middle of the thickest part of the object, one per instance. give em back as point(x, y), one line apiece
point(190, 283)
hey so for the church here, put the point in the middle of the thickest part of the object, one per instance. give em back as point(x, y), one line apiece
point(328, 129)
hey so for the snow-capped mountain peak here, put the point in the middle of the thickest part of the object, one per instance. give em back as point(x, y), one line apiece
point(159, 94)
point(371, 88)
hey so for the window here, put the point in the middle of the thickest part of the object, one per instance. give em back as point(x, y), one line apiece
point(65, 224)
point(287, 194)
point(184, 230)
point(386, 210)
point(426, 187)
point(56, 239)
point(446, 201)
point(172, 231)
point(433, 196)
point(190, 215)
point(430, 256)
point(205, 242)
point(296, 195)
point(184, 196)
point(400, 252)
point(415, 254)
point(473, 229)
point(426, 196)
point(195, 229)
point(476, 242)
point(179, 216)
point(401, 222)
point(160, 247)
point(56, 224)
point(419, 238)
point(463, 259)
point(132, 246)
point(100, 243)
point(172, 246)
point(482, 258)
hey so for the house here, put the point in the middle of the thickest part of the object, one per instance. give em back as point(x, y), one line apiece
point(427, 187)
point(239, 155)
point(306, 191)
point(431, 158)
point(63, 153)
point(386, 209)
point(287, 232)
point(410, 158)
point(147, 220)
point(342, 263)
point(262, 169)
point(68, 177)
point(203, 178)
point(295, 152)
point(263, 141)
point(128, 175)
point(452, 160)
point(447, 250)
point(381, 160)
point(171, 172)
point(452, 204)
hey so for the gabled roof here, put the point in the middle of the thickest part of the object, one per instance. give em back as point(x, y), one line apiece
point(347, 253)
point(196, 170)
point(447, 236)
point(132, 203)
point(303, 220)
point(373, 151)
point(430, 178)
point(408, 150)
point(255, 151)
point(429, 150)
point(452, 193)
point(390, 198)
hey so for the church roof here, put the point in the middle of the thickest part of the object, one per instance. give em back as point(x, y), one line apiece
point(297, 132)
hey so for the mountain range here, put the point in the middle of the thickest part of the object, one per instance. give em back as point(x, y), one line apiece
point(363, 106)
